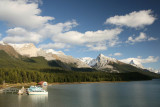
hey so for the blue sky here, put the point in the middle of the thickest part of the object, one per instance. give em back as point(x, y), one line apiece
point(122, 29)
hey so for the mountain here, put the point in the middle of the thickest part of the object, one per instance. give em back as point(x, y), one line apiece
point(104, 62)
point(132, 62)
point(101, 62)
point(89, 61)
point(154, 70)
point(26, 49)
point(28, 52)
point(8, 49)
point(112, 65)
point(27, 56)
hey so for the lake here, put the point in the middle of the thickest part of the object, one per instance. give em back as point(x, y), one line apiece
point(122, 94)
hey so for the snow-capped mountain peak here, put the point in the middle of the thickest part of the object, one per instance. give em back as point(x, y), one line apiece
point(27, 49)
point(135, 63)
point(30, 50)
point(101, 62)
point(101, 55)
point(105, 59)
point(88, 60)
point(132, 62)
point(154, 70)
point(2, 43)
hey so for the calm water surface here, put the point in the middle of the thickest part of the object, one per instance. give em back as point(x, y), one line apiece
point(125, 94)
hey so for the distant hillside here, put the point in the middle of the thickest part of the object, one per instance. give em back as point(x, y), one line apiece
point(7, 61)
point(52, 61)
point(35, 63)
point(9, 50)
point(124, 68)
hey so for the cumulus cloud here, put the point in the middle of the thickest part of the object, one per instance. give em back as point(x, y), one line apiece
point(35, 1)
point(134, 19)
point(116, 54)
point(50, 30)
point(142, 37)
point(140, 61)
point(54, 46)
point(70, 37)
point(20, 35)
point(30, 26)
point(95, 40)
point(152, 38)
point(97, 46)
point(22, 13)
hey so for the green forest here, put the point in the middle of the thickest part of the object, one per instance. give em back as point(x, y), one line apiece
point(25, 76)
point(35, 69)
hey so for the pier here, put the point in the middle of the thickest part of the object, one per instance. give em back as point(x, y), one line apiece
point(11, 90)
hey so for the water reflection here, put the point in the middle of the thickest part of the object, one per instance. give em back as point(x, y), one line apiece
point(33, 101)
point(127, 94)
point(13, 100)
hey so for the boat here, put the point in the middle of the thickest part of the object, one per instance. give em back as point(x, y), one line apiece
point(21, 91)
point(34, 90)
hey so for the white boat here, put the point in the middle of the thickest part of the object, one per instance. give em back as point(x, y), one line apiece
point(34, 90)
point(21, 91)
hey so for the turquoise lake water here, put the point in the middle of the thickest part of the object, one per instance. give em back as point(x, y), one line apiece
point(124, 94)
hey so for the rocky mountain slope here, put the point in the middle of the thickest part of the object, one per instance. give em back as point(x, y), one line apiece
point(101, 62)
point(9, 50)
point(109, 64)
point(30, 50)
point(24, 55)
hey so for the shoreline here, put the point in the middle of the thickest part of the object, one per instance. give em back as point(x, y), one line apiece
point(59, 83)
point(8, 85)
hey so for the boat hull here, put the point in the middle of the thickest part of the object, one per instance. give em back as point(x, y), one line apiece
point(37, 93)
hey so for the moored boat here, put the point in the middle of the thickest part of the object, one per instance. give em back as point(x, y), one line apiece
point(21, 91)
point(34, 90)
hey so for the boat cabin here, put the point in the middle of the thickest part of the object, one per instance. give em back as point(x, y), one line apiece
point(43, 83)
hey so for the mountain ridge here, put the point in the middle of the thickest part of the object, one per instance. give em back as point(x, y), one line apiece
point(30, 50)
point(102, 62)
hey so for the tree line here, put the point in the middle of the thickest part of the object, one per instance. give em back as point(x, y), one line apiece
point(25, 76)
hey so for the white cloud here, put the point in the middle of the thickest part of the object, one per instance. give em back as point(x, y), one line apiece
point(97, 47)
point(54, 46)
point(95, 40)
point(150, 59)
point(140, 61)
point(134, 19)
point(22, 13)
point(116, 54)
point(152, 38)
point(71, 37)
point(20, 35)
point(50, 29)
point(30, 26)
point(142, 37)
point(35, 1)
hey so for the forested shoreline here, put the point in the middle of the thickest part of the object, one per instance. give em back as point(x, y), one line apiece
point(26, 76)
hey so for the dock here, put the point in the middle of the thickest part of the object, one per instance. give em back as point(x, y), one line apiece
point(11, 90)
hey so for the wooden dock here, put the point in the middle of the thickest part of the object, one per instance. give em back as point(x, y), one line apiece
point(11, 90)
